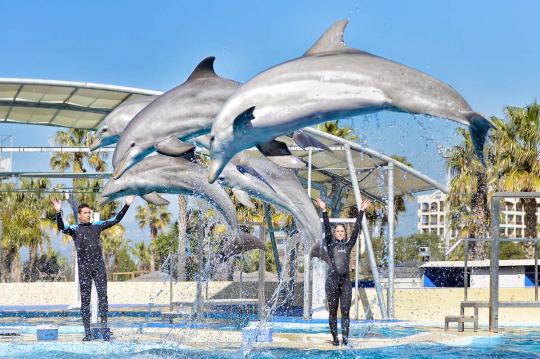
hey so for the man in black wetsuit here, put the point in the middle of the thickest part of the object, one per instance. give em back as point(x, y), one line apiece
point(338, 282)
point(90, 260)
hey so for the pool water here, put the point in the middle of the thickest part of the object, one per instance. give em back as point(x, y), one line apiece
point(510, 345)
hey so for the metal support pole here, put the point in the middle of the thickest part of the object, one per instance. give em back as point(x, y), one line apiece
point(268, 218)
point(391, 213)
point(307, 258)
point(365, 230)
point(262, 268)
point(536, 269)
point(494, 278)
point(170, 282)
point(465, 268)
point(1, 254)
point(200, 268)
point(356, 275)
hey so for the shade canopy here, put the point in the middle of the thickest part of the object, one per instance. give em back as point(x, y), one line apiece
point(61, 103)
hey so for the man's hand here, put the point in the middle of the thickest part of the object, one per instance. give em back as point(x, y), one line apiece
point(321, 204)
point(57, 204)
point(129, 200)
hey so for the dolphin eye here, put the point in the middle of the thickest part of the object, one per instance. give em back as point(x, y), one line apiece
point(104, 130)
point(132, 144)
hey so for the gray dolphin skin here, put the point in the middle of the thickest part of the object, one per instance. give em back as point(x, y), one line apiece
point(176, 175)
point(242, 242)
point(331, 81)
point(186, 111)
point(115, 122)
point(280, 187)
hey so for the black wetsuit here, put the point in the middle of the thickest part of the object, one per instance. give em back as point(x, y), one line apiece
point(90, 262)
point(338, 283)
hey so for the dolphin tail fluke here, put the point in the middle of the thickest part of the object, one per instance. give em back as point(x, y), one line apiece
point(479, 127)
point(305, 141)
point(103, 200)
point(278, 152)
point(173, 147)
point(155, 199)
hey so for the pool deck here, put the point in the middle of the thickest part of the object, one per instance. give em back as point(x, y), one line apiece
point(208, 339)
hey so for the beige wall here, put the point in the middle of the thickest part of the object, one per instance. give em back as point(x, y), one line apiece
point(426, 305)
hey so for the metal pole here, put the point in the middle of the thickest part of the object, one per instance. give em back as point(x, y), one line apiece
point(170, 282)
point(465, 268)
point(391, 264)
point(1, 255)
point(307, 259)
point(494, 278)
point(536, 269)
point(268, 218)
point(365, 230)
point(262, 265)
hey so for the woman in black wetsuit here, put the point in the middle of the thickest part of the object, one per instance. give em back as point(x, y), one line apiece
point(338, 282)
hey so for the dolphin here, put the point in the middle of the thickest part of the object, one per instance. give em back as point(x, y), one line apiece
point(164, 174)
point(278, 186)
point(318, 251)
point(183, 112)
point(242, 242)
point(331, 81)
point(115, 122)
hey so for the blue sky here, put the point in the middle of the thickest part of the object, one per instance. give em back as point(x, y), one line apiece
point(487, 50)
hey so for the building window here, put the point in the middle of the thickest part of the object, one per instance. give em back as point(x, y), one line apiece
point(441, 205)
point(519, 233)
point(425, 207)
point(434, 230)
point(425, 220)
point(509, 206)
point(425, 230)
point(519, 207)
point(433, 219)
point(519, 219)
point(510, 219)
point(433, 207)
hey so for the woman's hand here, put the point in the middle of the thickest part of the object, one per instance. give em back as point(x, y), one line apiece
point(321, 204)
point(129, 200)
point(365, 204)
point(57, 204)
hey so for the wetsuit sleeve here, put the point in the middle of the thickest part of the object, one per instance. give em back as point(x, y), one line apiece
point(116, 219)
point(60, 225)
point(327, 229)
point(356, 229)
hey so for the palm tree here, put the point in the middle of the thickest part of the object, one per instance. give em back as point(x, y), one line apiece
point(156, 218)
point(182, 237)
point(517, 155)
point(334, 128)
point(469, 212)
point(142, 253)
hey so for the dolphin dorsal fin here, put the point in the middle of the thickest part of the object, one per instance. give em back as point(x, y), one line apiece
point(331, 40)
point(205, 68)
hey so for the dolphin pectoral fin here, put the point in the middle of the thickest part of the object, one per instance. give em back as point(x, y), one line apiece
point(331, 40)
point(243, 120)
point(155, 199)
point(204, 69)
point(479, 127)
point(245, 168)
point(287, 161)
point(173, 147)
point(274, 148)
point(243, 198)
point(305, 141)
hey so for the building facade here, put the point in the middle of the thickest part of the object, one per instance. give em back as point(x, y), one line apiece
point(432, 216)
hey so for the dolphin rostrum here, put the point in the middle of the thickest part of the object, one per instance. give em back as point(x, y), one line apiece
point(331, 81)
point(186, 111)
point(164, 174)
point(115, 122)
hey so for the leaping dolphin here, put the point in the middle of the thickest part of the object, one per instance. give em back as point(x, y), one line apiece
point(163, 174)
point(278, 186)
point(186, 111)
point(331, 81)
point(115, 122)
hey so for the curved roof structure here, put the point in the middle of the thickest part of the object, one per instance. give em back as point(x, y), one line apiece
point(84, 105)
point(61, 103)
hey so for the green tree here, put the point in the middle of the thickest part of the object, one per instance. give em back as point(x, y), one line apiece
point(517, 159)
point(156, 218)
point(142, 254)
point(468, 207)
point(334, 128)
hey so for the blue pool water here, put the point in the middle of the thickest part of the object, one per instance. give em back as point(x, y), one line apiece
point(507, 346)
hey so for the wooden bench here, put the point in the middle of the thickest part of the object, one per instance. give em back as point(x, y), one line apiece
point(460, 319)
